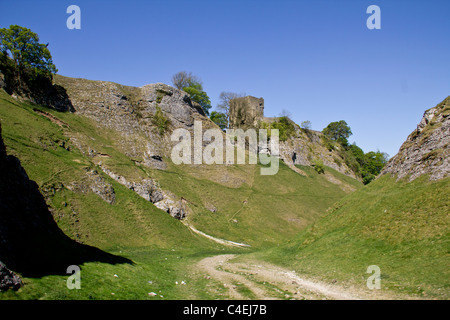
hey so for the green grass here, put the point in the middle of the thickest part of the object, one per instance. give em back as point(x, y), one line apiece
point(131, 227)
point(401, 227)
point(163, 249)
point(154, 270)
point(242, 202)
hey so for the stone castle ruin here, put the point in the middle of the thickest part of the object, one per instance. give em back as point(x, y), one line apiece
point(246, 112)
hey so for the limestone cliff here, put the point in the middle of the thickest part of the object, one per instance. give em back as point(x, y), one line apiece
point(427, 148)
point(302, 148)
point(307, 146)
point(131, 112)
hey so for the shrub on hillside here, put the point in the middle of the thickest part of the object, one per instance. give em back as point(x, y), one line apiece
point(160, 121)
point(318, 166)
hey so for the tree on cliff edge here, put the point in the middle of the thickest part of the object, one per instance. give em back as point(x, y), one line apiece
point(338, 131)
point(21, 46)
point(224, 104)
point(192, 84)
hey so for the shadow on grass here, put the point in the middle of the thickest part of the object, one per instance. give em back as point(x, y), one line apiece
point(31, 243)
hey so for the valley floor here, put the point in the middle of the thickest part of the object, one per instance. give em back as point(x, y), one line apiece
point(255, 279)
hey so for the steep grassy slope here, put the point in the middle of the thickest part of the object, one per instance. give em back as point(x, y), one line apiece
point(42, 145)
point(230, 202)
point(131, 227)
point(399, 225)
point(257, 210)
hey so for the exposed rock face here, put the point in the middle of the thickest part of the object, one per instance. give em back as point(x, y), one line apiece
point(129, 109)
point(427, 148)
point(302, 148)
point(94, 182)
point(131, 112)
point(176, 103)
point(150, 191)
point(246, 112)
point(173, 207)
point(8, 279)
point(305, 147)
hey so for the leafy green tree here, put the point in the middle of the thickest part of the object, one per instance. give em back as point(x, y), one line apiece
point(197, 94)
point(358, 153)
point(193, 86)
point(338, 131)
point(370, 163)
point(375, 161)
point(220, 119)
point(367, 177)
point(22, 46)
point(318, 166)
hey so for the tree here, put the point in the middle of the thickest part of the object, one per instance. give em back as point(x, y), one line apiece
point(193, 86)
point(220, 119)
point(375, 161)
point(184, 79)
point(338, 131)
point(318, 166)
point(306, 125)
point(370, 163)
point(285, 114)
point(195, 90)
point(224, 105)
point(23, 47)
point(358, 153)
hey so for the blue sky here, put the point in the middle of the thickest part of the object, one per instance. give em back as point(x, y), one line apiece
point(315, 59)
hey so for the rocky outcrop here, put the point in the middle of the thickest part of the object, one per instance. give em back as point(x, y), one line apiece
point(8, 279)
point(306, 146)
point(132, 113)
point(150, 191)
point(302, 148)
point(175, 103)
point(94, 182)
point(427, 148)
point(129, 109)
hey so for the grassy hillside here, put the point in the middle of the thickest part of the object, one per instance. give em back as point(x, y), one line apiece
point(401, 227)
point(258, 210)
point(131, 227)
point(230, 202)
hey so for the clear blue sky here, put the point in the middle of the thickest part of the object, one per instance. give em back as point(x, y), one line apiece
point(316, 59)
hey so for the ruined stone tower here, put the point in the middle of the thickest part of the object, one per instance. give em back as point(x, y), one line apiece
point(246, 112)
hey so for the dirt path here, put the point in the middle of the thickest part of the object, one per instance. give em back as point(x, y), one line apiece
point(218, 240)
point(261, 280)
